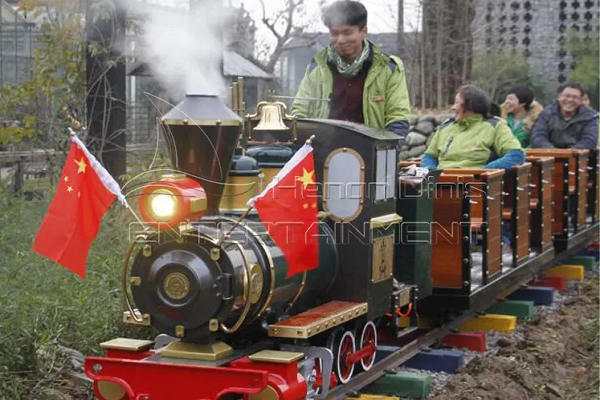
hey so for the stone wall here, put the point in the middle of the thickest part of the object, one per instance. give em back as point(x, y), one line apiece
point(534, 29)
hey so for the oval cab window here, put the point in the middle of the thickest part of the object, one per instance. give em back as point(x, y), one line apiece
point(343, 181)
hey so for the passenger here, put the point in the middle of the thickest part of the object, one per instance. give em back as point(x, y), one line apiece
point(520, 111)
point(473, 138)
point(567, 124)
point(585, 99)
point(352, 79)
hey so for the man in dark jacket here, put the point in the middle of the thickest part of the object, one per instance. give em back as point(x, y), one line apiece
point(567, 124)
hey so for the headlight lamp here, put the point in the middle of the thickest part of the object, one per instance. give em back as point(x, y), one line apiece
point(172, 200)
point(163, 205)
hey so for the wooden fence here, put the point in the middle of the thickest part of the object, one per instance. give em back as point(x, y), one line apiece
point(19, 169)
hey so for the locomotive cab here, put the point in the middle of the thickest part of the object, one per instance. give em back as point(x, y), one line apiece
point(358, 177)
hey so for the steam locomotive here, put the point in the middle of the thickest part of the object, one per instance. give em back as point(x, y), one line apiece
point(211, 280)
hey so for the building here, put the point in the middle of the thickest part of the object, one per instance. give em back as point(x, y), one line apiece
point(239, 45)
point(535, 29)
point(142, 113)
point(17, 37)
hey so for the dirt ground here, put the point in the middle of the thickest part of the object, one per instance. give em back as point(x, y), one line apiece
point(552, 356)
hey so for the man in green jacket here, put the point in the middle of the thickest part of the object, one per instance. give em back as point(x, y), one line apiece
point(352, 79)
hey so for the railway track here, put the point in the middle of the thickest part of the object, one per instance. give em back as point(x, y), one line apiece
point(505, 285)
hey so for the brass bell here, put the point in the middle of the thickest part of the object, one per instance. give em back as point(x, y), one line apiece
point(271, 118)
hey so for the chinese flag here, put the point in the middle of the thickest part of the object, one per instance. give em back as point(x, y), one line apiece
point(85, 192)
point(288, 207)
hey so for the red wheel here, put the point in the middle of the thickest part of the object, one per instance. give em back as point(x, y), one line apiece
point(367, 337)
point(346, 345)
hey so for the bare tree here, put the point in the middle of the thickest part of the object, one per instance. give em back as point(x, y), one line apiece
point(284, 25)
point(106, 96)
point(400, 24)
point(447, 45)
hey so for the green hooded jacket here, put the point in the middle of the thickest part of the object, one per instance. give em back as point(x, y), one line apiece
point(386, 104)
point(471, 142)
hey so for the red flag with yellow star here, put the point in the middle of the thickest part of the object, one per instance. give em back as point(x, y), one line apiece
point(85, 192)
point(288, 208)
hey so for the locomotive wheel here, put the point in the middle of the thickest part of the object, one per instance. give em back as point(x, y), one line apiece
point(368, 336)
point(345, 345)
point(316, 371)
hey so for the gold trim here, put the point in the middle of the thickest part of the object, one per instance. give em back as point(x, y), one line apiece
point(250, 118)
point(111, 390)
point(246, 295)
point(213, 325)
point(180, 331)
point(269, 259)
point(382, 262)
point(326, 186)
point(322, 215)
point(131, 316)
point(127, 344)
point(238, 190)
point(385, 221)
point(201, 122)
point(176, 285)
point(322, 325)
point(198, 204)
point(257, 283)
point(269, 173)
point(300, 290)
point(276, 356)
point(137, 318)
point(135, 281)
point(188, 230)
point(191, 351)
point(404, 297)
point(267, 394)
point(147, 250)
point(173, 177)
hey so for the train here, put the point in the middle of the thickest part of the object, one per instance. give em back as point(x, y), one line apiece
point(396, 250)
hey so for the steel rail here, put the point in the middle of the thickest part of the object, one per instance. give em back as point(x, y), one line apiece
point(403, 354)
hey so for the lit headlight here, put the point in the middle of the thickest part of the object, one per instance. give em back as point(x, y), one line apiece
point(163, 206)
point(171, 200)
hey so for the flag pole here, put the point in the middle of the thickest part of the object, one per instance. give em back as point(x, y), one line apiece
point(73, 134)
point(235, 225)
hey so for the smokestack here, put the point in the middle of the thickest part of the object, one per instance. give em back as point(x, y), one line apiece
point(205, 133)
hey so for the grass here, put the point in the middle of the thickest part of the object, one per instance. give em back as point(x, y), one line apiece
point(43, 304)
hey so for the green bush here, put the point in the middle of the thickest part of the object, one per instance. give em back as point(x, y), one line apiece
point(496, 72)
point(42, 303)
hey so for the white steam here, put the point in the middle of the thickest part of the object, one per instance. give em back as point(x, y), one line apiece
point(183, 48)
